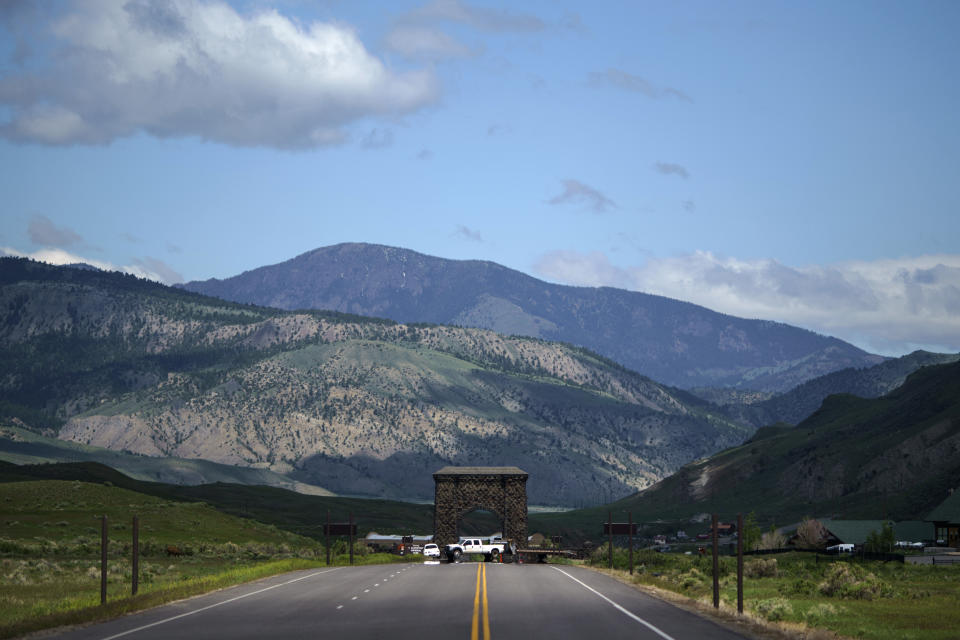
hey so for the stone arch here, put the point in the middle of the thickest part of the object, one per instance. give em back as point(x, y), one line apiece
point(460, 490)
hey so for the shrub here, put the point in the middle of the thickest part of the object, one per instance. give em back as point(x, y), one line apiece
point(761, 568)
point(799, 587)
point(818, 613)
point(773, 609)
point(843, 580)
point(691, 578)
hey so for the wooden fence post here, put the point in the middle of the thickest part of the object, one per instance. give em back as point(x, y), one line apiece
point(326, 537)
point(103, 559)
point(630, 525)
point(740, 563)
point(716, 565)
point(610, 532)
point(135, 584)
point(351, 537)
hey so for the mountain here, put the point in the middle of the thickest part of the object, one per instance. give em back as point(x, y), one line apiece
point(359, 406)
point(897, 456)
point(801, 401)
point(677, 343)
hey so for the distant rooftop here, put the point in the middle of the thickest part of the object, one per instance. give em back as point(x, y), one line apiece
point(480, 471)
point(947, 511)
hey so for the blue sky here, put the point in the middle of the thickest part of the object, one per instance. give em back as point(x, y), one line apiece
point(796, 161)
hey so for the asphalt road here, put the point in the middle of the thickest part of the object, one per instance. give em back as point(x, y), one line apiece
point(421, 602)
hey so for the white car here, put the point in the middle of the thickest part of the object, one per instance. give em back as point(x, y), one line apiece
point(841, 548)
point(431, 551)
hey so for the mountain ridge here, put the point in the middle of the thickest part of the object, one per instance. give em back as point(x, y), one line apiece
point(677, 343)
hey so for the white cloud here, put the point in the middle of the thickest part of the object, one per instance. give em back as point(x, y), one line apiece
point(199, 68)
point(149, 268)
point(575, 192)
point(889, 306)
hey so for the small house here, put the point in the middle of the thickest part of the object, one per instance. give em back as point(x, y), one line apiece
point(946, 521)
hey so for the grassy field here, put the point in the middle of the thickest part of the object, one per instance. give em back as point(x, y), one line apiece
point(858, 599)
point(50, 552)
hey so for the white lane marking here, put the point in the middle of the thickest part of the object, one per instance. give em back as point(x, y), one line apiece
point(339, 606)
point(377, 585)
point(618, 607)
point(217, 604)
point(354, 597)
point(366, 590)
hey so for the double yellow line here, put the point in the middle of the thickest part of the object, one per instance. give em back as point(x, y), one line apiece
point(475, 627)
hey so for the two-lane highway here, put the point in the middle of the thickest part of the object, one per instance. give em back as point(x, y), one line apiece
point(421, 602)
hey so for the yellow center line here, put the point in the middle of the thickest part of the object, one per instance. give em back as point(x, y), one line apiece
point(486, 611)
point(475, 626)
point(474, 631)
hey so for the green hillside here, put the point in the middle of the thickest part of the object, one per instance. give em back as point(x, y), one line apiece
point(893, 457)
point(358, 406)
point(288, 510)
point(21, 446)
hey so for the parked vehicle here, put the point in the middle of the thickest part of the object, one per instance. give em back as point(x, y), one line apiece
point(431, 551)
point(904, 544)
point(841, 548)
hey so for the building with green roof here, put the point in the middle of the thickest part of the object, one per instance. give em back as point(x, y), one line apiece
point(852, 531)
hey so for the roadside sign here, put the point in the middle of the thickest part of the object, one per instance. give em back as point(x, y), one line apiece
point(619, 528)
point(340, 529)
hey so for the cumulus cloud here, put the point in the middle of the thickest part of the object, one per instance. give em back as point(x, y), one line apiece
point(888, 306)
point(482, 18)
point(425, 43)
point(620, 79)
point(575, 192)
point(43, 231)
point(149, 268)
point(200, 68)
point(669, 168)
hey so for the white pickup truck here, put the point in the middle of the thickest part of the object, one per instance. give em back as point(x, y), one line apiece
point(492, 550)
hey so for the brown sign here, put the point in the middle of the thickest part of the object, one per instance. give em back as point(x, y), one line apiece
point(619, 528)
point(340, 529)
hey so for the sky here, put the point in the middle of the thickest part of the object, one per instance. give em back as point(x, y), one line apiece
point(791, 161)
